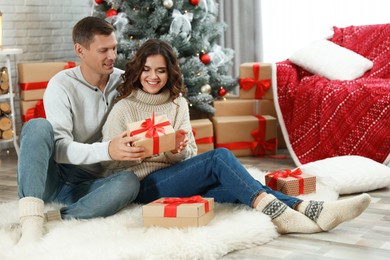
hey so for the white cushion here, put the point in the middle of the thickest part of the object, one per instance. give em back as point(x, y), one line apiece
point(349, 174)
point(331, 61)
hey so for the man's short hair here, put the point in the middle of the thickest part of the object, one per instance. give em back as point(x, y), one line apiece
point(88, 27)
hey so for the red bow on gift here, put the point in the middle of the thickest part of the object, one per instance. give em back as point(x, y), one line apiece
point(284, 174)
point(172, 203)
point(152, 131)
point(261, 85)
point(260, 145)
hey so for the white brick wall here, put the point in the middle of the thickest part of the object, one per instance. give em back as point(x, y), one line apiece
point(42, 28)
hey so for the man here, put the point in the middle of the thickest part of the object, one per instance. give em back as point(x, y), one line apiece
point(60, 157)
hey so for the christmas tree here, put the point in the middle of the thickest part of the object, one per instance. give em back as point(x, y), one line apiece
point(191, 27)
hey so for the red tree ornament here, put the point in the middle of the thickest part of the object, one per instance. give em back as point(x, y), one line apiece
point(205, 58)
point(111, 12)
point(194, 2)
point(99, 1)
point(222, 92)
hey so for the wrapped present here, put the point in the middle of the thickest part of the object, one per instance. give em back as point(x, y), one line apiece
point(31, 109)
point(292, 183)
point(157, 134)
point(204, 134)
point(179, 212)
point(34, 77)
point(244, 107)
point(246, 135)
point(255, 80)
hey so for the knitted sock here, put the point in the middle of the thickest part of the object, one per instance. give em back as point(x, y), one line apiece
point(330, 214)
point(284, 218)
point(31, 219)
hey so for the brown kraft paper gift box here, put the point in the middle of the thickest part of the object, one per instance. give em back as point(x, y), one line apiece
point(157, 134)
point(235, 134)
point(292, 183)
point(244, 107)
point(256, 80)
point(33, 77)
point(179, 212)
point(204, 134)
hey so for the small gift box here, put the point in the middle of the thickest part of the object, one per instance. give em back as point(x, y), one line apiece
point(246, 135)
point(193, 211)
point(34, 77)
point(157, 134)
point(255, 80)
point(204, 134)
point(292, 183)
point(244, 107)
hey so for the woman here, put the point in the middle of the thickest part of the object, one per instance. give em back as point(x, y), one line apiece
point(153, 83)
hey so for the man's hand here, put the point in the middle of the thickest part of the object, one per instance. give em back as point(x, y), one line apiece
point(181, 140)
point(120, 149)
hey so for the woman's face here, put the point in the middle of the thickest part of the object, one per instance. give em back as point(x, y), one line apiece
point(154, 75)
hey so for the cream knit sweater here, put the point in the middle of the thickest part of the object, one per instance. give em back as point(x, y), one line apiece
point(139, 106)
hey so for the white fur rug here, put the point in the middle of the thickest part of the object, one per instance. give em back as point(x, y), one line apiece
point(123, 236)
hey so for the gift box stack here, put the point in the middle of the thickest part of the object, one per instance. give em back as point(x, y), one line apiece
point(248, 125)
point(193, 211)
point(33, 80)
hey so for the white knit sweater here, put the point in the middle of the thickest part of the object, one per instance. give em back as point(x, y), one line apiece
point(139, 106)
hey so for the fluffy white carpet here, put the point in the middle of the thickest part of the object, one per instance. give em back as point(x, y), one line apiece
point(123, 236)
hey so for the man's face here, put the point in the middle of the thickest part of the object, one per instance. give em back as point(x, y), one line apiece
point(100, 57)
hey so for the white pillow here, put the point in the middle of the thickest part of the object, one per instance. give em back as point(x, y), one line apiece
point(349, 174)
point(331, 61)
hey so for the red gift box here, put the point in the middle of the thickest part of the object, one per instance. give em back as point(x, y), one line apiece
point(246, 135)
point(292, 183)
point(193, 211)
point(157, 134)
point(34, 77)
point(255, 80)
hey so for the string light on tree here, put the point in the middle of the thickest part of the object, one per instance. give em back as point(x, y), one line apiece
point(168, 4)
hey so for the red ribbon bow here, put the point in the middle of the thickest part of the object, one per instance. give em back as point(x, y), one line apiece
point(260, 145)
point(170, 209)
point(284, 174)
point(261, 85)
point(152, 131)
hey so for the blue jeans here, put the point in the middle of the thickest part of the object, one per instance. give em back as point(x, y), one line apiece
point(84, 195)
point(216, 173)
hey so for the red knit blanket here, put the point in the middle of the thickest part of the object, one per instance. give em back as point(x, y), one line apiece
point(326, 118)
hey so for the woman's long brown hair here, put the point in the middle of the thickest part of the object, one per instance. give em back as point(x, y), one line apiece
point(134, 68)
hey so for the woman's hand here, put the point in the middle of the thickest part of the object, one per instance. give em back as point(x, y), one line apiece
point(120, 148)
point(181, 140)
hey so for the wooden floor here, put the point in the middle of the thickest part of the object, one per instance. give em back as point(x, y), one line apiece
point(366, 237)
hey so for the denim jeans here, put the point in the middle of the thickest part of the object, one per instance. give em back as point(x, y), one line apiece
point(84, 195)
point(216, 173)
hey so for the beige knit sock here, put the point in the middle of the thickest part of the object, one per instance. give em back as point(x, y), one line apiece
point(284, 218)
point(31, 219)
point(330, 214)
